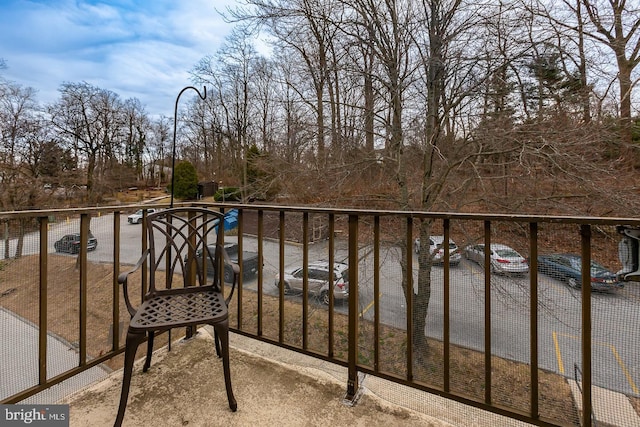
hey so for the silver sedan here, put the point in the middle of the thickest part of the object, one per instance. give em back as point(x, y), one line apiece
point(504, 260)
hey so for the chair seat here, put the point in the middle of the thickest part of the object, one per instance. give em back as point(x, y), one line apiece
point(186, 306)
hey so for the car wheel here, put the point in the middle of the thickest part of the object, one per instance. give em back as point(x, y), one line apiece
point(324, 297)
point(228, 275)
point(56, 248)
point(287, 288)
point(573, 282)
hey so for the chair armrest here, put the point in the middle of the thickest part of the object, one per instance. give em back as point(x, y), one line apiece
point(236, 271)
point(123, 278)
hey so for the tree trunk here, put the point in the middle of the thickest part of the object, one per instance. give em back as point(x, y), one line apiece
point(421, 302)
point(6, 239)
point(624, 77)
point(20, 243)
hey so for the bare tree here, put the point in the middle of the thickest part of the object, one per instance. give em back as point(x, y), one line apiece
point(158, 148)
point(614, 24)
point(136, 127)
point(87, 119)
point(304, 28)
point(19, 125)
point(230, 73)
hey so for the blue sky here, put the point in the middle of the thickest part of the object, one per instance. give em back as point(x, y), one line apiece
point(135, 48)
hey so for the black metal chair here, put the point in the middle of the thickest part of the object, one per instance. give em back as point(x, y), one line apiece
point(177, 236)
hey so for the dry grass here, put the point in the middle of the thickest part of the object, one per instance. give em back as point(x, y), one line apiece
point(635, 402)
point(20, 295)
point(136, 196)
point(510, 380)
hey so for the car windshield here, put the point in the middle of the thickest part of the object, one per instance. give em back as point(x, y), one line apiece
point(439, 244)
point(596, 268)
point(507, 253)
point(77, 236)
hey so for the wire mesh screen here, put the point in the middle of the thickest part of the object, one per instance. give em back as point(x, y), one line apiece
point(492, 312)
point(27, 305)
point(480, 307)
point(18, 322)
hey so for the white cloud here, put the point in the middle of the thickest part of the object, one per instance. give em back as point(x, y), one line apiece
point(141, 49)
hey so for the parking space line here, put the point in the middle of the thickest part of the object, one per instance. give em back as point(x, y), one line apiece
point(611, 347)
point(624, 369)
point(558, 353)
point(368, 307)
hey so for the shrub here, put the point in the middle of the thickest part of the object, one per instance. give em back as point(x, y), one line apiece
point(231, 194)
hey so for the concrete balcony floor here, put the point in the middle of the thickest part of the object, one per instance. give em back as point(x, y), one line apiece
point(272, 386)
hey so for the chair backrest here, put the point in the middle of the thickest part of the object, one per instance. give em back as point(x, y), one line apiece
point(186, 242)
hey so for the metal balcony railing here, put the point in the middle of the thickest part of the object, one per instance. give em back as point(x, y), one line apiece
point(500, 335)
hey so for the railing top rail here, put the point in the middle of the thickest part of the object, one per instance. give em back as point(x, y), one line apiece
point(36, 213)
point(340, 211)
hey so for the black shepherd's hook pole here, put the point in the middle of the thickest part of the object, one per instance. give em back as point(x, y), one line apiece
point(175, 127)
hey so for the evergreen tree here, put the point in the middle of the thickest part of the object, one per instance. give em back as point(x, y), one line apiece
point(186, 181)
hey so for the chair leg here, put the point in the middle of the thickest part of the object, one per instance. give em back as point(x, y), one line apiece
point(222, 332)
point(131, 346)
point(147, 361)
point(217, 341)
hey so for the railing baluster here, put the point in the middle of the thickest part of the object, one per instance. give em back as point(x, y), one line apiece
point(487, 312)
point(260, 270)
point(115, 315)
point(240, 263)
point(332, 256)
point(447, 311)
point(281, 272)
point(305, 280)
point(376, 293)
point(42, 317)
point(585, 234)
point(409, 295)
point(533, 319)
point(84, 238)
point(352, 381)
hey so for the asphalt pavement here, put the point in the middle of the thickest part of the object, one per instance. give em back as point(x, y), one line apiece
point(19, 357)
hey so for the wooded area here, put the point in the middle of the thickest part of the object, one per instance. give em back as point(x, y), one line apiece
point(509, 106)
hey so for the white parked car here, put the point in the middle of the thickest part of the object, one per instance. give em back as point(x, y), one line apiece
point(136, 218)
point(318, 279)
point(436, 249)
point(504, 259)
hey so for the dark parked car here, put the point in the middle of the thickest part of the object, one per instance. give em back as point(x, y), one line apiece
point(71, 243)
point(249, 261)
point(567, 267)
